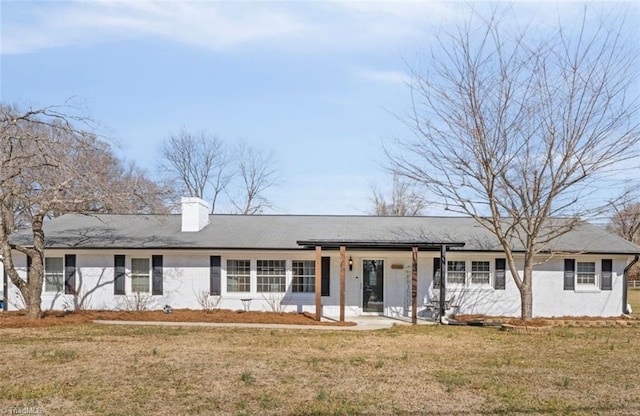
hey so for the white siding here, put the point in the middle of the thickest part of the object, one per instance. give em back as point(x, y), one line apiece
point(14, 299)
point(187, 273)
point(549, 298)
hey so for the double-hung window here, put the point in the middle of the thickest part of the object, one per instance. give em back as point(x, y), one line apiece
point(456, 272)
point(480, 273)
point(238, 275)
point(140, 275)
point(53, 274)
point(304, 276)
point(271, 275)
point(586, 273)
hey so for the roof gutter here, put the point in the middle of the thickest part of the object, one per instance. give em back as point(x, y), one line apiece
point(625, 284)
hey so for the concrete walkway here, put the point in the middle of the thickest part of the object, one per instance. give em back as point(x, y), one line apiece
point(362, 324)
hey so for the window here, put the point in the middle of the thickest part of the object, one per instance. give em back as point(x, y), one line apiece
point(586, 273)
point(140, 275)
point(238, 275)
point(480, 273)
point(456, 272)
point(53, 274)
point(271, 275)
point(304, 276)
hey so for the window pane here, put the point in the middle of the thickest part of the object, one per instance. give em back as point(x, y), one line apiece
point(53, 274)
point(456, 272)
point(271, 275)
point(140, 275)
point(480, 272)
point(238, 275)
point(304, 276)
point(587, 267)
point(586, 274)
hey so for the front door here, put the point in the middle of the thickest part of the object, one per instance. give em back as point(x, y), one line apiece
point(373, 286)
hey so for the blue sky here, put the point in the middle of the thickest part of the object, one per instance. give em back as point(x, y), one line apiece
point(320, 84)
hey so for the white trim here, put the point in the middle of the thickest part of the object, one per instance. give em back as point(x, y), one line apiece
point(588, 287)
point(468, 266)
point(385, 275)
point(62, 279)
point(129, 275)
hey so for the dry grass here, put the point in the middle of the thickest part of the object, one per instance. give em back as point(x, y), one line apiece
point(79, 368)
point(93, 369)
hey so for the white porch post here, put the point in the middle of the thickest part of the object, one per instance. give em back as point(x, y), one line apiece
point(443, 279)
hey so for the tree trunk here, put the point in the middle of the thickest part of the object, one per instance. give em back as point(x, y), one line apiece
point(526, 293)
point(526, 304)
point(34, 311)
point(33, 298)
point(36, 273)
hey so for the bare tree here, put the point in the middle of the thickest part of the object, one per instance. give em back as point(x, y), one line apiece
point(256, 173)
point(103, 171)
point(405, 200)
point(199, 162)
point(51, 164)
point(625, 222)
point(515, 125)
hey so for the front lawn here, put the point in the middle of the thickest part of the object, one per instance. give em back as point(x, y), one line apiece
point(95, 369)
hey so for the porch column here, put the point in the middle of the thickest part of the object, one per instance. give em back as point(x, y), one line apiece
point(343, 272)
point(414, 285)
point(443, 279)
point(318, 282)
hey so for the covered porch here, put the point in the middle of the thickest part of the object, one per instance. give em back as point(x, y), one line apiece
point(371, 294)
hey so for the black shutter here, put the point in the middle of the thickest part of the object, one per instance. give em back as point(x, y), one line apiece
point(569, 274)
point(326, 272)
point(28, 267)
point(500, 280)
point(607, 274)
point(436, 272)
point(118, 274)
point(70, 274)
point(214, 275)
point(156, 275)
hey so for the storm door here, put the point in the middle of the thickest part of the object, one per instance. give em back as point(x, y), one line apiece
point(373, 286)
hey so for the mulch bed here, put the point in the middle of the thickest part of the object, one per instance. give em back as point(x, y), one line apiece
point(563, 321)
point(51, 318)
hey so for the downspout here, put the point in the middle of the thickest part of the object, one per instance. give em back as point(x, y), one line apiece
point(625, 284)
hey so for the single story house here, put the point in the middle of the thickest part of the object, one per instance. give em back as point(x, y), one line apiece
point(329, 265)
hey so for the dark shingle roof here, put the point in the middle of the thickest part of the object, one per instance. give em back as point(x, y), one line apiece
point(272, 232)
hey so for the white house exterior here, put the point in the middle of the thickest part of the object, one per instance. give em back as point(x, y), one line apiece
point(269, 263)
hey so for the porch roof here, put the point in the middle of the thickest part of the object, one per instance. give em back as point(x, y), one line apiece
point(380, 244)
